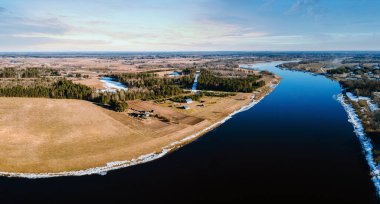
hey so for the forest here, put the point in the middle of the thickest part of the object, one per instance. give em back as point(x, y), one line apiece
point(151, 80)
point(62, 89)
point(362, 87)
point(148, 86)
point(210, 81)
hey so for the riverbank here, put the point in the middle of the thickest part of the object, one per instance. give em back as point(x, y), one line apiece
point(92, 140)
point(364, 140)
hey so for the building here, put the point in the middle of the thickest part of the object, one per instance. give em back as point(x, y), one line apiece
point(141, 114)
point(189, 100)
point(186, 107)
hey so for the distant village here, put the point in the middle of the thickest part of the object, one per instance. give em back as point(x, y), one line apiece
point(356, 72)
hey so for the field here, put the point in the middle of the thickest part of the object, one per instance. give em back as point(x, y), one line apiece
point(50, 135)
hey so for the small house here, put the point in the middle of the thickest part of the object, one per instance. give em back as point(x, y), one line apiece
point(186, 107)
point(188, 100)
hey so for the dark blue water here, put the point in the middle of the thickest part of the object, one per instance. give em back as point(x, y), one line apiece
point(295, 145)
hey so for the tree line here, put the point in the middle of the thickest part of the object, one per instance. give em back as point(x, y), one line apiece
point(31, 72)
point(62, 89)
point(65, 89)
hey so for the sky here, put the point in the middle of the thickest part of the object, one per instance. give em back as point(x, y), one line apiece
point(189, 25)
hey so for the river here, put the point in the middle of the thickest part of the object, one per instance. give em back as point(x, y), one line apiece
point(194, 87)
point(295, 145)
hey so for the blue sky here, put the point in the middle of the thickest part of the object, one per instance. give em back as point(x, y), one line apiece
point(189, 25)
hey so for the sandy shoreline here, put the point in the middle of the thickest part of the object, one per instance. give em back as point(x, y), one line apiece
point(146, 157)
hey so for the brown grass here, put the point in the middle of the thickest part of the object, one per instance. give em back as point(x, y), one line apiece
point(93, 82)
point(50, 135)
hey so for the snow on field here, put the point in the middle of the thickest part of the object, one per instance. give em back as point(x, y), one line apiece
point(372, 106)
point(112, 86)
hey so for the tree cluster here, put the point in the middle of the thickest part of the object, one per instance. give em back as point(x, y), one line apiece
point(362, 87)
point(210, 81)
point(182, 99)
point(118, 106)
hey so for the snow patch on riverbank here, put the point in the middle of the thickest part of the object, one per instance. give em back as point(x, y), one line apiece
point(372, 106)
point(365, 141)
point(140, 160)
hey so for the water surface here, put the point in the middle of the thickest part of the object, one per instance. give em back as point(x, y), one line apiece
point(195, 83)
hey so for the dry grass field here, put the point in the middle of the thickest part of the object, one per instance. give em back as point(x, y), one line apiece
point(40, 135)
point(48, 135)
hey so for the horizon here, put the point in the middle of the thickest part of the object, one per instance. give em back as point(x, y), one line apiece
point(193, 51)
point(189, 26)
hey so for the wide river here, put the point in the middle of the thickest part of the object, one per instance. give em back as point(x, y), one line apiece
point(295, 145)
